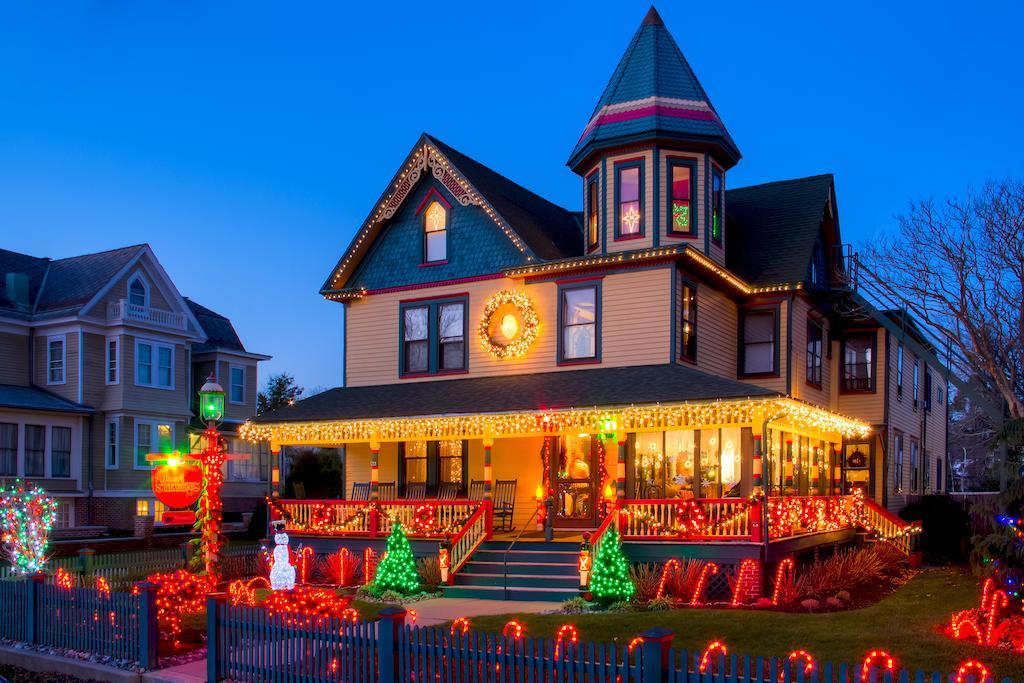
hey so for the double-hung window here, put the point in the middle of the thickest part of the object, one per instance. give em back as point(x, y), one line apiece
point(435, 233)
point(688, 322)
point(899, 370)
point(815, 344)
point(717, 206)
point(56, 356)
point(578, 317)
point(237, 394)
point(433, 335)
point(8, 449)
point(682, 190)
point(859, 363)
point(593, 215)
point(151, 437)
point(113, 356)
point(138, 292)
point(759, 343)
point(60, 451)
point(35, 451)
point(629, 207)
point(897, 463)
point(154, 365)
point(927, 389)
point(915, 467)
point(917, 382)
point(111, 447)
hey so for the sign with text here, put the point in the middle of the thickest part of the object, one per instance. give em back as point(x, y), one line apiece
point(177, 486)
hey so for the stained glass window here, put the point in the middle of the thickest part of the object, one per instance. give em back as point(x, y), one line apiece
point(629, 201)
point(682, 184)
point(436, 232)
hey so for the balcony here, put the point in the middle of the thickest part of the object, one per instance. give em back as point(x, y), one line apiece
point(124, 312)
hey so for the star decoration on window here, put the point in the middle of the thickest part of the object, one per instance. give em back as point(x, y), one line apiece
point(631, 219)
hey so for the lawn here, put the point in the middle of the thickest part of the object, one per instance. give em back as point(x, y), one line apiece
point(906, 623)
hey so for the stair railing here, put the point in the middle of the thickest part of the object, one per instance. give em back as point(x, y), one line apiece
point(504, 559)
point(886, 526)
point(473, 533)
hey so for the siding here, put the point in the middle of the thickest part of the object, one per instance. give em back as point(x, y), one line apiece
point(865, 406)
point(635, 327)
point(94, 367)
point(69, 389)
point(120, 291)
point(801, 389)
point(14, 359)
point(648, 195)
point(235, 411)
point(717, 321)
point(150, 400)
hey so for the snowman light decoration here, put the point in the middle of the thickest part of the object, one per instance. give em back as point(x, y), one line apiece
point(282, 573)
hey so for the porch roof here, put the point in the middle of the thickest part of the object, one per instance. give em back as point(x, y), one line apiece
point(600, 387)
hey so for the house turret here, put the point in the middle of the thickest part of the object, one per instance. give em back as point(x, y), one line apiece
point(654, 154)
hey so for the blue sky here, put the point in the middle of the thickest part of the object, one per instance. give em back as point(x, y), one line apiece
point(250, 139)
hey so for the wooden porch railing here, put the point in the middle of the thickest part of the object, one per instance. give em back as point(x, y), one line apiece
point(888, 527)
point(362, 519)
point(474, 532)
point(700, 519)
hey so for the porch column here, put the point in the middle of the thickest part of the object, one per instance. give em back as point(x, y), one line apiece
point(374, 468)
point(275, 468)
point(757, 465)
point(488, 443)
point(788, 466)
point(621, 438)
point(837, 482)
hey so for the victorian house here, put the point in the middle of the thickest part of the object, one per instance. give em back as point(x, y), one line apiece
point(100, 361)
point(676, 356)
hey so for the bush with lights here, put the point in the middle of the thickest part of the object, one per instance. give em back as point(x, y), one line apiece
point(999, 555)
point(397, 571)
point(27, 515)
point(610, 582)
point(179, 593)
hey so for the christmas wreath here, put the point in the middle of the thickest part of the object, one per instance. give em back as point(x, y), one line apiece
point(519, 325)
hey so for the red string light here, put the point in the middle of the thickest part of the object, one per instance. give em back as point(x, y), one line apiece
point(705, 571)
point(633, 643)
point(566, 635)
point(411, 616)
point(460, 624)
point(880, 657)
point(306, 558)
point(713, 647)
point(351, 615)
point(64, 579)
point(369, 565)
point(786, 565)
point(982, 671)
point(802, 655)
point(179, 593)
point(513, 629)
point(242, 592)
point(671, 565)
point(103, 586)
point(304, 606)
point(745, 576)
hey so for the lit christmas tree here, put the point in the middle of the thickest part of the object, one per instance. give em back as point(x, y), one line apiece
point(397, 571)
point(27, 515)
point(609, 581)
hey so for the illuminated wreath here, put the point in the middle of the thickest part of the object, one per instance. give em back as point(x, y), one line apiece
point(528, 323)
point(424, 519)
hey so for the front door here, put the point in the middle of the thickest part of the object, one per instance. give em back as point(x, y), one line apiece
point(574, 478)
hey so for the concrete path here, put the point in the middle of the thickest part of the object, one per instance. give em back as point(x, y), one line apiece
point(439, 610)
point(193, 672)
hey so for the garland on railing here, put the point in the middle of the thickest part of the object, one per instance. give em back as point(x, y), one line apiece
point(424, 523)
point(691, 519)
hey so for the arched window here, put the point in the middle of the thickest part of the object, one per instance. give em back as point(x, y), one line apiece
point(138, 292)
point(435, 229)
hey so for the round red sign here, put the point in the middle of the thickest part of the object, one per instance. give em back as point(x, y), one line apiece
point(177, 486)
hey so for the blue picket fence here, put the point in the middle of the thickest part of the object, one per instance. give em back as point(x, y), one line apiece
point(118, 625)
point(248, 644)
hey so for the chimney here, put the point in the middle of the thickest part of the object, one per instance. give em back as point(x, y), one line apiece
point(17, 289)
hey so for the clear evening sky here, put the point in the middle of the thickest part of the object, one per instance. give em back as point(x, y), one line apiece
point(246, 141)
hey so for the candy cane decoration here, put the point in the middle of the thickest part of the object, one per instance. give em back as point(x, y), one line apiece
point(369, 565)
point(802, 655)
point(343, 560)
point(306, 555)
point(744, 577)
point(64, 579)
point(566, 633)
point(513, 630)
point(705, 571)
point(411, 616)
point(713, 647)
point(460, 623)
point(997, 601)
point(103, 586)
point(351, 615)
point(780, 573)
point(881, 657)
point(669, 566)
point(977, 667)
point(633, 643)
point(961, 623)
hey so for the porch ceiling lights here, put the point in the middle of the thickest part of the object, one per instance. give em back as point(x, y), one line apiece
point(574, 420)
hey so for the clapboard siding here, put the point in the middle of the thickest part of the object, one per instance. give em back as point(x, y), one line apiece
point(94, 388)
point(14, 359)
point(151, 400)
point(69, 389)
point(634, 330)
point(801, 389)
point(120, 291)
point(717, 318)
point(869, 406)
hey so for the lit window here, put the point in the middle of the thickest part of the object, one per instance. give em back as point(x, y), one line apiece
point(630, 211)
point(450, 462)
point(858, 363)
point(112, 357)
point(758, 342)
point(151, 437)
point(237, 385)
point(688, 322)
point(56, 357)
point(436, 232)
point(138, 295)
point(60, 452)
point(415, 457)
point(717, 205)
point(141, 507)
point(680, 202)
point(593, 195)
point(815, 336)
point(579, 323)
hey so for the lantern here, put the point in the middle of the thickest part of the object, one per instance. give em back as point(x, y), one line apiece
point(608, 426)
point(211, 400)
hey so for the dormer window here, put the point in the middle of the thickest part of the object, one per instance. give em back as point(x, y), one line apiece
point(629, 222)
point(435, 229)
point(717, 206)
point(681, 193)
point(138, 292)
point(593, 193)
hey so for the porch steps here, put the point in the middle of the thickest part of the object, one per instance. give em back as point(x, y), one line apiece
point(535, 571)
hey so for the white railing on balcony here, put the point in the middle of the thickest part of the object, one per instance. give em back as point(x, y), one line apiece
point(123, 311)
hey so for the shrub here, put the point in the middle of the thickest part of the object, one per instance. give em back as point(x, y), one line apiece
point(946, 528)
point(334, 567)
point(574, 606)
point(430, 571)
point(810, 604)
point(660, 604)
point(646, 576)
point(682, 582)
point(621, 606)
point(849, 570)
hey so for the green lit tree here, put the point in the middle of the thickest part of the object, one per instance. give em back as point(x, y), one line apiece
point(397, 571)
point(609, 581)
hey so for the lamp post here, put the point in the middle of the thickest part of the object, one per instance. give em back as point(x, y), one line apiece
point(214, 453)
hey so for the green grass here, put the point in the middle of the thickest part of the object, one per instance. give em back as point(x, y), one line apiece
point(906, 623)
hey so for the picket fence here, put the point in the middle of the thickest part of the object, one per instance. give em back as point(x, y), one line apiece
point(108, 624)
point(248, 644)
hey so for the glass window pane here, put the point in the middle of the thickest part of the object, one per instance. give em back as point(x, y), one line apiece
point(145, 364)
point(679, 453)
point(758, 358)
point(451, 321)
point(60, 452)
point(649, 470)
point(730, 462)
point(450, 456)
point(143, 443)
point(416, 356)
point(629, 185)
point(580, 306)
point(35, 450)
point(137, 293)
point(415, 323)
point(436, 246)
point(8, 449)
point(579, 342)
point(437, 217)
point(164, 359)
point(759, 327)
point(680, 182)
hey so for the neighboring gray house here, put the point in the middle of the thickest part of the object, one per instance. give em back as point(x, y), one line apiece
point(100, 357)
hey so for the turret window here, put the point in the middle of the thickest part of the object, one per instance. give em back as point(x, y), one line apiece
point(629, 221)
point(435, 227)
point(681, 194)
point(593, 195)
point(717, 206)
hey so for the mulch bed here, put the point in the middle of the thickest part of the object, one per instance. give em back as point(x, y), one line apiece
point(17, 675)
